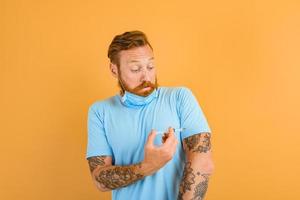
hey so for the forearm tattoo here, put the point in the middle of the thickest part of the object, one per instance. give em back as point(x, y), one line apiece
point(95, 161)
point(201, 188)
point(195, 183)
point(119, 176)
point(198, 143)
point(188, 182)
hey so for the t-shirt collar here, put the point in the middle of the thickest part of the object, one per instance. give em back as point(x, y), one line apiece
point(135, 101)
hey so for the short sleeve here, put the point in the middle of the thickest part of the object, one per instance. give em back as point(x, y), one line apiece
point(190, 113)
point(97, 144)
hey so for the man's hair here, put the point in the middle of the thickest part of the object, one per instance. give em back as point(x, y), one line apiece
point(125, 41)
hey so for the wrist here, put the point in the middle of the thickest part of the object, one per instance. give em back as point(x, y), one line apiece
point(146, 168)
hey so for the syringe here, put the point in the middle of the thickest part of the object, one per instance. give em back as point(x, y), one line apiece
point(176, 130)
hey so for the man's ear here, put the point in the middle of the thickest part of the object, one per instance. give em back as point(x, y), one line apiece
point(113, 69)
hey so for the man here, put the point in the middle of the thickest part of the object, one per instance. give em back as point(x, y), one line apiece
point(125, 151)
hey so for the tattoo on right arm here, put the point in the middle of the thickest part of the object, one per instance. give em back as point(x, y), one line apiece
point(111, 177)
point(95, 161)
point(119, 176)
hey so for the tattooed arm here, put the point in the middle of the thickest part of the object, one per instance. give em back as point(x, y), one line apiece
point(198, 167)
point(108, 177)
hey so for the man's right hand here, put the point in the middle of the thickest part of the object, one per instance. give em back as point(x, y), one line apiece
point(109, 177)
point(157, 156)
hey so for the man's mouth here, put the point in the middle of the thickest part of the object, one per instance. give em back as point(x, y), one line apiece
point(146, 88)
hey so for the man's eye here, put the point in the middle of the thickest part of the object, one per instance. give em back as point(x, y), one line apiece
point(135, 70)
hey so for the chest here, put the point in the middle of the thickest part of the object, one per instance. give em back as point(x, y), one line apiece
point(127, 130)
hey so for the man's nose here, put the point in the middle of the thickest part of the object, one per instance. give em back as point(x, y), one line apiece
point(145, 76)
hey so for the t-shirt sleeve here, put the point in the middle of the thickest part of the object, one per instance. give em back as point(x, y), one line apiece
point(97, 144)
point(191, 115)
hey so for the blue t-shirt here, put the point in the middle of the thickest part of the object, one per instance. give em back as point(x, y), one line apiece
point(120, 130)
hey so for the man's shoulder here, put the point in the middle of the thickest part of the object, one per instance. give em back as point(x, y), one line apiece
point(177, 90)
point(102, 103)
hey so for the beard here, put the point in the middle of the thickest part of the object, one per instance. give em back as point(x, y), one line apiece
point(139, 90)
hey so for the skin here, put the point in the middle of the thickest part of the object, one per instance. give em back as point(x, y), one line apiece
point(137, 74)
point(108, 177)
point(198, 167)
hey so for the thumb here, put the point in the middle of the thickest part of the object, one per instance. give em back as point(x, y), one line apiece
point(171, 130)
point(151, 137)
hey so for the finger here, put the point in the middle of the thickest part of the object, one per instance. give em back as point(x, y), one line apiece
point(174, 143)
point(169, 141)
point(174, 146)
point(151, 137)
point(164, 137)
point(166, 134)
point(169, 137)
point(171, 130)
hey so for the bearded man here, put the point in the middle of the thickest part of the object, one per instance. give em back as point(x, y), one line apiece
point(147, 142)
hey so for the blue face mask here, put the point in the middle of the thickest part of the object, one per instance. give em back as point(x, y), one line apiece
point(135, 101)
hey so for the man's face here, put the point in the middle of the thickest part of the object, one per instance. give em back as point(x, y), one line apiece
point(137, 73)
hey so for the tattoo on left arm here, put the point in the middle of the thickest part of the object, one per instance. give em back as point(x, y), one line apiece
point(194, 183)
point(188, 180)
point(201, 188)
point(198, 143)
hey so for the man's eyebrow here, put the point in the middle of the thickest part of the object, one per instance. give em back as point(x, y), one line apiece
point(133, 61)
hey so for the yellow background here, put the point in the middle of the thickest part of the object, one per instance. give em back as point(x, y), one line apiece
point(240, 58)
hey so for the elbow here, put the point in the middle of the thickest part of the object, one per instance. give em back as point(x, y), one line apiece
point(208, 167)
point(211, 168)
point(103, 189)
point(100, 186)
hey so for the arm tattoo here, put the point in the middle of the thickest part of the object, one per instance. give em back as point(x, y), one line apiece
point(188, 182)
point(194, 184)
point(198, 143)
point(95, 161)
point(119, 176)
point(188, 178)
point(201, 188)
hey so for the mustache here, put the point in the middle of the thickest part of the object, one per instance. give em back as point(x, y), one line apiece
point(144, 85)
